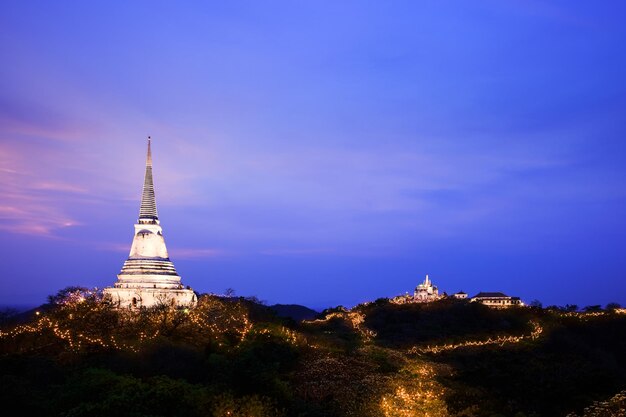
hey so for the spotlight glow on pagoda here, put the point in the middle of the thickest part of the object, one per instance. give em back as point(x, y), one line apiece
point(148, 277)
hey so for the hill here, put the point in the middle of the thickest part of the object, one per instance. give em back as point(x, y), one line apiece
point(294, 311)
point(233, 357)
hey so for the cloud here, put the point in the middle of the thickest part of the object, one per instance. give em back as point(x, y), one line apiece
point(367, 181)
point(175, 253)
point(60, 186)
point(30, 205)
point(26, 215)
point(113, 246)
point(35, 120)
point(196, 253)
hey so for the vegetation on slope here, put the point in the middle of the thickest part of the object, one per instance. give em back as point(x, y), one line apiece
point(235, 357)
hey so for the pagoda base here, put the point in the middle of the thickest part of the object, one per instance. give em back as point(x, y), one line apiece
point(135, 298)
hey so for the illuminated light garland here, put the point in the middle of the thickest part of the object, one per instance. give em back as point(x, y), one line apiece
point(75, 341)
point(291, 336)
point(614, 406)
point(582, 315)
point(501, 340)
point(355, 318)
point(589, 314)
point(423, 396)
point(215, 319)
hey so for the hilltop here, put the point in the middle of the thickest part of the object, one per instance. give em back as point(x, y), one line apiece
point(236, 357)
point(294, 311)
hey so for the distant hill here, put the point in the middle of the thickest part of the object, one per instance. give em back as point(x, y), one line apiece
point(294, 311)
point(13, 315)
point(17, 308)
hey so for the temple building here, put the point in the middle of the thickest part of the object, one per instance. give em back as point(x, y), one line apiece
point(460, 295)
point(148, 277)
point(424, 293)
point(496, 300)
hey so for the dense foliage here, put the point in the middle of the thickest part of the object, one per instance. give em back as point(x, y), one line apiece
point(232, 356)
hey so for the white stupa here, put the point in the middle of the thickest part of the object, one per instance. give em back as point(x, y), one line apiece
point(148, 277)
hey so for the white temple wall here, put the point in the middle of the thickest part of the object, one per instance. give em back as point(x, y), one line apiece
point(134, 298)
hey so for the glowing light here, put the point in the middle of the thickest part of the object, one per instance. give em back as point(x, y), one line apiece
point(76, 321)
point(418, 395)
point(614, 406)
point(501, 340)
point(355, 318)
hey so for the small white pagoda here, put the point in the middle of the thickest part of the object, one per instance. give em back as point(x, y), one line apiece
point(148, 277)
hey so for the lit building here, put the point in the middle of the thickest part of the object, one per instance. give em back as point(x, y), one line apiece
point(148, 277)
point(496, 300)
point(460, 295)
point(426, 292)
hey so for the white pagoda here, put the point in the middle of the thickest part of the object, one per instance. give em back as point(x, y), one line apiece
point(148, 277)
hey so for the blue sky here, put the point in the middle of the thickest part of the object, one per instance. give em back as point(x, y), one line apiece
point(319, 153)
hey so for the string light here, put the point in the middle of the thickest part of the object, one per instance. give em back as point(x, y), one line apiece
point(614, 406)
point(355, 318)
point(417, 394)
point(501, 341)
point(70, 323)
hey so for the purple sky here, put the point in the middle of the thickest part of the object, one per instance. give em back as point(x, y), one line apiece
point(323, 152)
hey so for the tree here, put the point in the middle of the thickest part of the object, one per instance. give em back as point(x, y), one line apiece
point(536, 304)
point(72, 294)
point(256, 300)
point(612, 306)
point(6, 314)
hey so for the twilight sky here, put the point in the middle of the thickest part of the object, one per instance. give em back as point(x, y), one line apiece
point(318, 152)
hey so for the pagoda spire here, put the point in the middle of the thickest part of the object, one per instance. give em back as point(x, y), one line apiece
point(148, 277)
point(148, 210)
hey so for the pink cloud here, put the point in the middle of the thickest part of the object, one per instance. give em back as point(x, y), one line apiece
point(59, 186)
point(113, 246)
point(32, 119)
point(29, 205)
point(196, 253)
point(175, 253)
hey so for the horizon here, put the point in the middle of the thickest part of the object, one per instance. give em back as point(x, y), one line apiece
point(318, 154)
